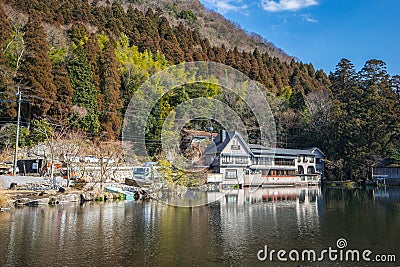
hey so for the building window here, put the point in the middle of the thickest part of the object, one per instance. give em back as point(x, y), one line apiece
point(231, 198)
point(318, 161)
point(310, 170)
point(241, 160)
point(284, 162)
point(235, 147)
point(227, 159)
point(234, 160)
point(300, 170)
point(263, 161)
point(312, 159)
point(231, 174)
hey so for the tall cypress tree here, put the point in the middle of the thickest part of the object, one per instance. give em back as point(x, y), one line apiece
point(381, 109)
point(93, 54)
point(347, 131)
point(7, 87)
point(110, 86)
point(37, 68)
point(84, 98)
point(61, 109)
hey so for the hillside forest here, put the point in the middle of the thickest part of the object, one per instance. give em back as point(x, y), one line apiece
point(78, 63)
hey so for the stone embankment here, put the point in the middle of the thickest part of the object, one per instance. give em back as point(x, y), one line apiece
point(52, 197)
point(34, 191)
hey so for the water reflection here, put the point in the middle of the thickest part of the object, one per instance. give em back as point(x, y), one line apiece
point(248, 219)
point(229, 231)
point(387, 194)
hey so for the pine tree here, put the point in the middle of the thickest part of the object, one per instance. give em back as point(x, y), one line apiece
point(37, 69)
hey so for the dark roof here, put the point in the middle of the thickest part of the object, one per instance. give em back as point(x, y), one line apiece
point(196, 133)
point(316, 148)
point(217, 145)
point(256, 149)
point(262, 150)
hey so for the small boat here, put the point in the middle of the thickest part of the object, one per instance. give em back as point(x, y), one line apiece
point(128, 195)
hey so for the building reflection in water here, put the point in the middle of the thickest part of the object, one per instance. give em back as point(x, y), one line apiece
point(272, 215)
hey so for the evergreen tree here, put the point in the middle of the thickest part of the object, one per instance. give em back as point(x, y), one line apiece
point(347, 131)
point(396, 85)
point(110, 85)
point(84, 99)
point(37, 69)
point(7, 86)
point(60, 111)
point(381, 114)
point(78, 34)
point(93, 54)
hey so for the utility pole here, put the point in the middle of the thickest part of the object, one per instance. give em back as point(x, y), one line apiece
point(17, 135)
point(211, 131)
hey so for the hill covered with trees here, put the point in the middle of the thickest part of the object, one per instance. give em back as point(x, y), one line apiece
point(77, 64)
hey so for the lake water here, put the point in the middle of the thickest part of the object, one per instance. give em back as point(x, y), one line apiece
point(228, 232)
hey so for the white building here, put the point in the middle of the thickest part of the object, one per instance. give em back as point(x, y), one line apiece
point(234, 162)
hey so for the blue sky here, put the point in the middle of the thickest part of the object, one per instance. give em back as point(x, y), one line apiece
point(323, 31)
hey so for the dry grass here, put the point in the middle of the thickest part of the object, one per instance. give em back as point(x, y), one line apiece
point(4, 199)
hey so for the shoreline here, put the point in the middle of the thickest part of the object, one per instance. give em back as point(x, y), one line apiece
point(34, 191)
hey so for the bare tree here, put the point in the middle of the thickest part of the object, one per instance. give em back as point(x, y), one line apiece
point(71, 148)
point(319, 106)
point(16, 45)
point(319, 116)
point(109, 156)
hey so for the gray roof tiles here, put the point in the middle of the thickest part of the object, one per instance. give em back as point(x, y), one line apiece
point(256, 149)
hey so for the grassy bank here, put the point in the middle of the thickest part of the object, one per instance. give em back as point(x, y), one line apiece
point(4, 199)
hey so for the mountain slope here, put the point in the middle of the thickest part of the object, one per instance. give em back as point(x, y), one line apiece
point(211, 25)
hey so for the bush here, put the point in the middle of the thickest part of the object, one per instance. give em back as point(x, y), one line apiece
point(187, 15)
